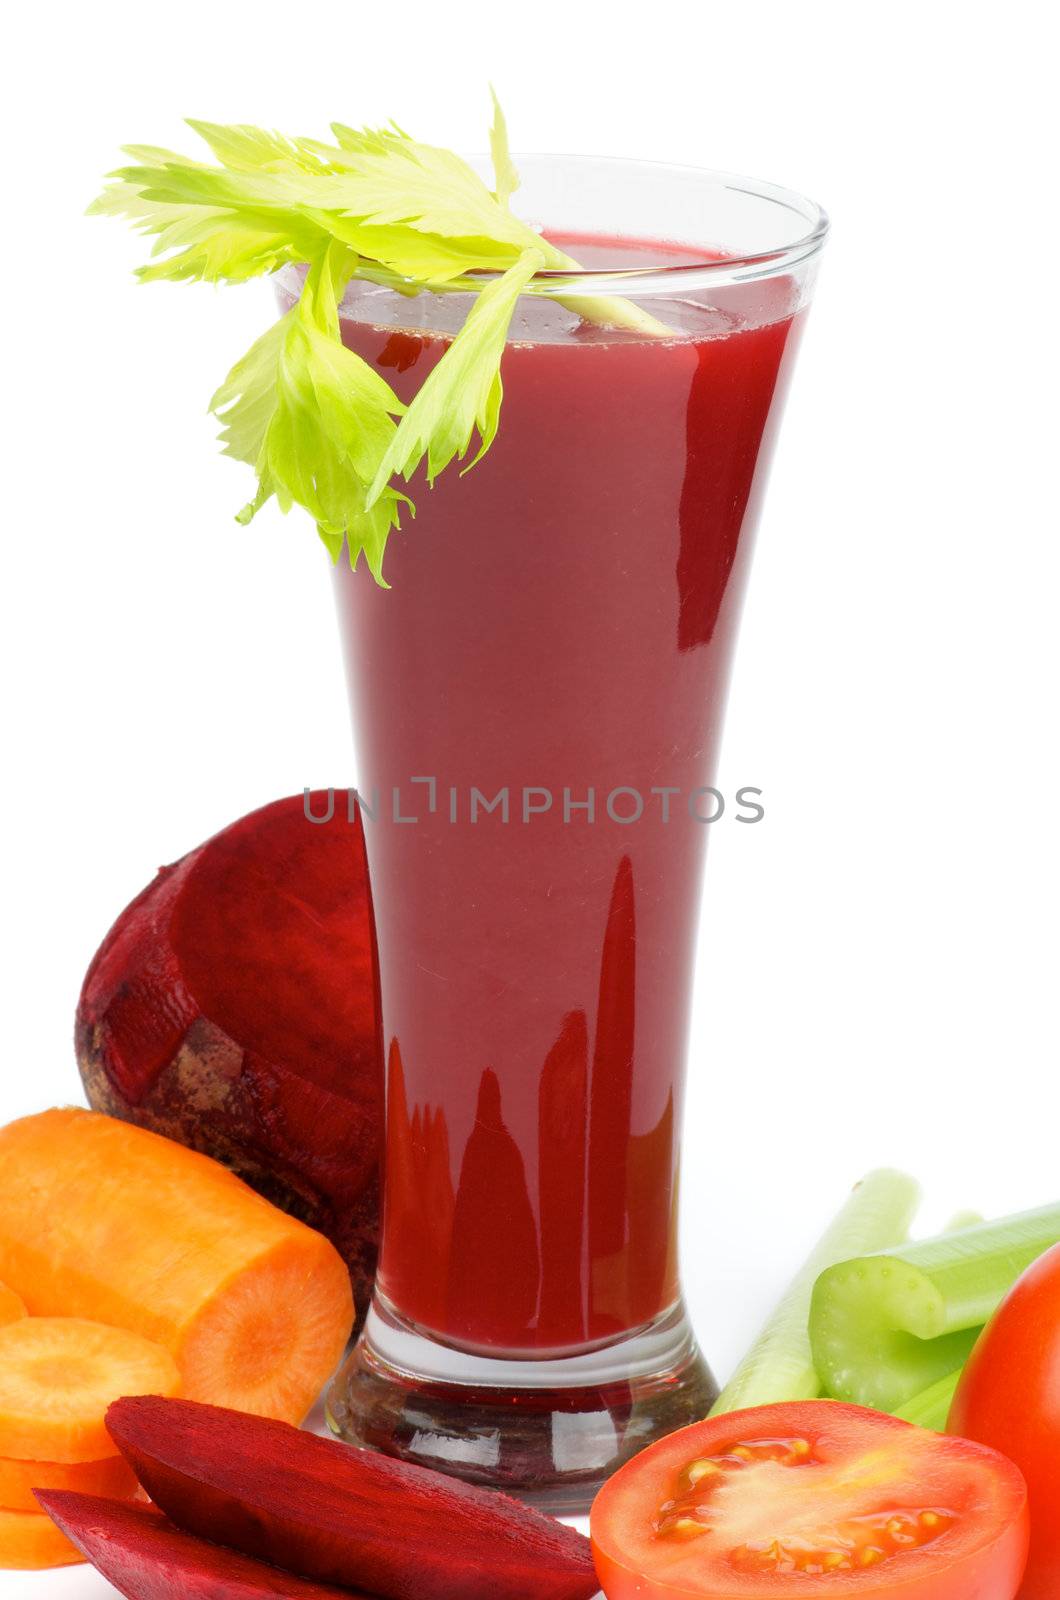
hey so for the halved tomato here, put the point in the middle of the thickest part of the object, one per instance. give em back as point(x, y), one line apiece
point(811, 1499)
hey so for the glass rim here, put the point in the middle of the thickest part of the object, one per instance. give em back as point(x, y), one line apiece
point(810, 227)
point(663, 277)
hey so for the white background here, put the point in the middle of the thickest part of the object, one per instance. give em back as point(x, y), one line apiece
point(878, 966)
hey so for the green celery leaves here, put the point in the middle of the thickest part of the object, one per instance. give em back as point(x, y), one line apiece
point(463, 393)
point(315, 421)
point(320, 427)
point(505, 175)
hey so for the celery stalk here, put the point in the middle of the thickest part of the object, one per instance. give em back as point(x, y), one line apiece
point(962, 1220)
point(779, 1365)
point(931, 1407)
point(884, 1327)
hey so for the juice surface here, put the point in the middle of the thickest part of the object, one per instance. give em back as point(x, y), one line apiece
point(561, 619)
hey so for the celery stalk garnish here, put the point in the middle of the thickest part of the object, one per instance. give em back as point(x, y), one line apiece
point(608, 311)
point(320, 427)
point(779, 1365)
point(885, 1327)
point(931, 1407)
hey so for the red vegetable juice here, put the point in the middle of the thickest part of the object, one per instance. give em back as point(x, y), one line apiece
point(543, 687)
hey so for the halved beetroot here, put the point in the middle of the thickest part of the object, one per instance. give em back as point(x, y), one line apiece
point(338, 1515)
point(233, 1007)
point(146, 1558)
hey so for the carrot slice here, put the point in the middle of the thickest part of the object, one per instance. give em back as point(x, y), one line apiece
point(58, 1375)
point(104, 1220)
point(30, 1541)
point(11, 1307)
point(110, 1478)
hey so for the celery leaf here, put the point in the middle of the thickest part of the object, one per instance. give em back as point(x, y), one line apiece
point(505, 175)
point(315, 420)
point(320, 427)
point(463, 392)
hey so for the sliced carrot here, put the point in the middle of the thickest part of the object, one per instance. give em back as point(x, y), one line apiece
point(11, 1307)
point(104, 1220)
point(58, 1375)
point(112, 1478)
point(30, 1541)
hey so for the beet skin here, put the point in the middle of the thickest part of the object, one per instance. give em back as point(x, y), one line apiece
point(233, 1007)
point(146, 1558)
point(343, 1516)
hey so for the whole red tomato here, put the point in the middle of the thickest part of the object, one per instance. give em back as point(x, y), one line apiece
point(1009, 1397)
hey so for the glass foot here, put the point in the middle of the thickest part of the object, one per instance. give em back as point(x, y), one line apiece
point(547, 1431)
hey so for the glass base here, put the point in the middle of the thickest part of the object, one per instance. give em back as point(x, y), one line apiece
point(546, 1431)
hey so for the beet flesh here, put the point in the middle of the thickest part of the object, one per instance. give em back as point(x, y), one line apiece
point(343, 1516)
point(146, 1558)
point(233, 1007)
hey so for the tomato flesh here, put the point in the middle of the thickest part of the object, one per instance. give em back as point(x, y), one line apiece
point(705, 1502)
point(811, 1499)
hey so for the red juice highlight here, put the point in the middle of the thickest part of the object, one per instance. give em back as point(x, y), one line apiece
point(560, 621)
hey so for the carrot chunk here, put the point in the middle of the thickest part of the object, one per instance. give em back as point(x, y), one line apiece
point(111, 1478)
point(103, 1220)
point(58, 1375)
point(11, 1307)
point(30, 1541)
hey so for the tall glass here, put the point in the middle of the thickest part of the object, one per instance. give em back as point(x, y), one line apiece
point(537, 703)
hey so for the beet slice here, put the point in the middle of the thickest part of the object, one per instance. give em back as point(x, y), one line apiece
point(327, 1511)
point(233, 1007)
point(146, 1558)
